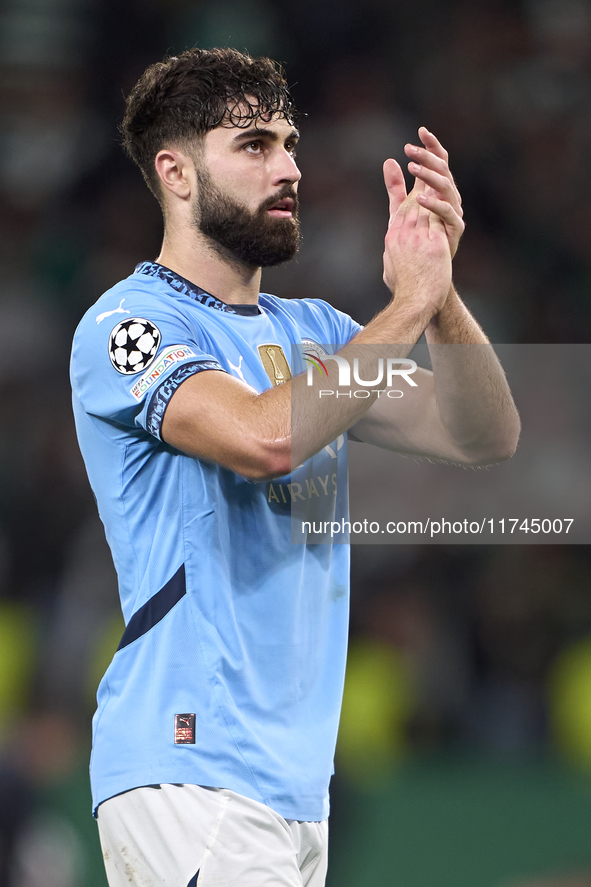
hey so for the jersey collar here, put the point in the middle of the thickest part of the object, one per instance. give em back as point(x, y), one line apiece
point(181, 285)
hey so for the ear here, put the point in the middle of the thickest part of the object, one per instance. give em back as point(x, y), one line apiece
point(176, 172)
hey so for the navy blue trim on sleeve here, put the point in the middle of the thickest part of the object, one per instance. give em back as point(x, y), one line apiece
point(155, 609)
point(161, 397)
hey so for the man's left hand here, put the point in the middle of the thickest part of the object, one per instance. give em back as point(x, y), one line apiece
point(434, 186)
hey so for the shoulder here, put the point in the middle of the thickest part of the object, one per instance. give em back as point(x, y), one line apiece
point(318, 316)
point(121, 334)
point(138, 338)
point(139, 306)
point(136, 294)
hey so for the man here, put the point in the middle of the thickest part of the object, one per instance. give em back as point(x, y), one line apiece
point(217, 719)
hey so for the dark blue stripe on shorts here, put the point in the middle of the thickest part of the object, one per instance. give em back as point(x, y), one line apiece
point(193, 881)
point(155, 609)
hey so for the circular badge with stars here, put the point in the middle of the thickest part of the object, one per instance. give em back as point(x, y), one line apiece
point(133, 344)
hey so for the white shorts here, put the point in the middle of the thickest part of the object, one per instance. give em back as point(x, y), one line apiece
point(191, 836)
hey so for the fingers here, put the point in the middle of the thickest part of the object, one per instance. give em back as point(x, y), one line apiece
point(438, 183)
point(394, 180)
point(432, 143)
point(432, 158)
point(441, 208)
point(446, 215)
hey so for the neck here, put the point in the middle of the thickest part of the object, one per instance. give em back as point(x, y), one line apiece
point(192, 256)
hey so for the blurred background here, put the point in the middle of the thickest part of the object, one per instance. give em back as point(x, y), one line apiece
point(464, 755)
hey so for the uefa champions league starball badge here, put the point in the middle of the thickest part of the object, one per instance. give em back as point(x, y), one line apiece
point(133, 344)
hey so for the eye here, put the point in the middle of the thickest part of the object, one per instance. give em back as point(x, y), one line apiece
point(254, 147)
point(291, 148)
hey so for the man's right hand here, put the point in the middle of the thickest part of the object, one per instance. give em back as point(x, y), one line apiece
point(417, 258)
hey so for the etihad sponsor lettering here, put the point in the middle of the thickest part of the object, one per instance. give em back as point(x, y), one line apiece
point(318, 486)
point(170, 355)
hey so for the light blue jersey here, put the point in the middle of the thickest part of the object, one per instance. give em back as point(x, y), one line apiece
point(231, 667)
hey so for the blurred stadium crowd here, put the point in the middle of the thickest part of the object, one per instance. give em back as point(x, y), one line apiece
point(486, 649)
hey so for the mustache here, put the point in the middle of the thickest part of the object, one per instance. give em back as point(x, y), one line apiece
point(288, 191)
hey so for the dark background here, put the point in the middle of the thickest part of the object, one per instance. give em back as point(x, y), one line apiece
point(465, 747)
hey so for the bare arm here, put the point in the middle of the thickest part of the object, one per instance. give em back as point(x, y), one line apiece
point(462, 412)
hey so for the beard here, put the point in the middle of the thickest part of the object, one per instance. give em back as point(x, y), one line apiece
point(255, 239)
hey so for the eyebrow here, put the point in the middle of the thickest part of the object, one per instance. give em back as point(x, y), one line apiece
point(249, 134)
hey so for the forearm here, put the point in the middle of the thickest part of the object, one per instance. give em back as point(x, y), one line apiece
point(454, 324)
point(321, 411)
point(473, 398)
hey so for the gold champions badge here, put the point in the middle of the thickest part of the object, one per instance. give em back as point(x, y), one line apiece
point(275, 363)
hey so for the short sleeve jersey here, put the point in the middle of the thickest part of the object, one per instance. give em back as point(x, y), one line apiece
point(231, 667)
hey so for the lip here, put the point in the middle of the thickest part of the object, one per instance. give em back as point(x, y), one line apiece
point(283, 209)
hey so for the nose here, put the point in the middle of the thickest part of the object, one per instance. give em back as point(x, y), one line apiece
point(286, 169)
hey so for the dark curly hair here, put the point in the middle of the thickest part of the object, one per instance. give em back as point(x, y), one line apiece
point(187, 95)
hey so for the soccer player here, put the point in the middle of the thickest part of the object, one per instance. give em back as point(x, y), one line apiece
point(217, 718)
